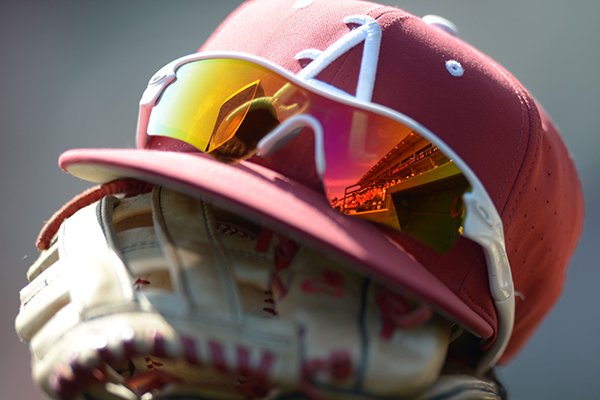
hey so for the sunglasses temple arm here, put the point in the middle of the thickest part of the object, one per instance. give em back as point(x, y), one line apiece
point(290, 128)
point(484, 226)
point(502, 290)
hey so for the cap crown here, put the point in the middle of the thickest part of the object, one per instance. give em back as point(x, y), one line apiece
point(469, 100)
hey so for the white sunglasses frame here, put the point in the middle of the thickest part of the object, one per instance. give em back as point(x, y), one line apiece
point(482, 224)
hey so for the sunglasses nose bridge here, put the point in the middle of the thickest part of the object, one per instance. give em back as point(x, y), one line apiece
point(290, 128)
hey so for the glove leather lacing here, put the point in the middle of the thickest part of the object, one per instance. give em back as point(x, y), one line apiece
point(126, 186)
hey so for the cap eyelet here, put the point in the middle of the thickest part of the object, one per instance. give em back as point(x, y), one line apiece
point(454, 68)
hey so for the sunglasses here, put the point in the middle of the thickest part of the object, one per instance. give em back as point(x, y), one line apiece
point(374, 162)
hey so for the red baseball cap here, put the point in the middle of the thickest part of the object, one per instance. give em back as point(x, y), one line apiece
point(471, 102)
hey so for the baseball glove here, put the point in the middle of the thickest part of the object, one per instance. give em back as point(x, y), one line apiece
point(159, 295)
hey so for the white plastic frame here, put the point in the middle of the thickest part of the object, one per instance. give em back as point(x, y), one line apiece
point(482, 223)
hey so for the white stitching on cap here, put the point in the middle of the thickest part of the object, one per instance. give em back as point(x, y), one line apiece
point(369, 33)
point(299, 4)
point(455, 68)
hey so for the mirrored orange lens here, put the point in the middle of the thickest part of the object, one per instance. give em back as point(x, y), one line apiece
point(378, 168)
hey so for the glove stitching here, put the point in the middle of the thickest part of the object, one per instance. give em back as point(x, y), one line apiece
point(249, 254)
point(41, 288)
point(143, 245)
point(227, 275)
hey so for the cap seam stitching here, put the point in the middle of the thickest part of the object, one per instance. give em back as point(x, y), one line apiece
point(525, 114)
point(511, 212)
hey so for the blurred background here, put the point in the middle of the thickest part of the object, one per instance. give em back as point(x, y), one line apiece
point(73, 71)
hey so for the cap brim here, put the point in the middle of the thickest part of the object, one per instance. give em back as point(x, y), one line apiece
point(284, 204)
